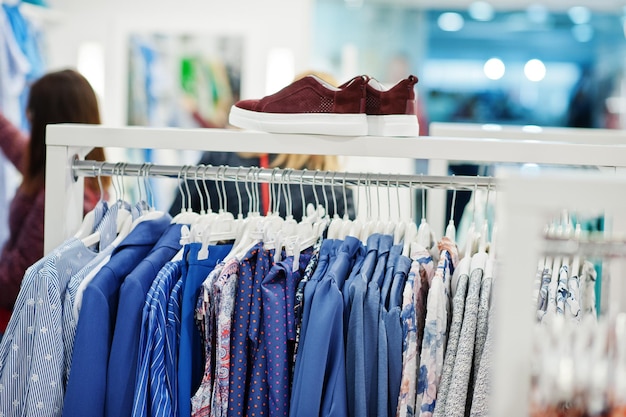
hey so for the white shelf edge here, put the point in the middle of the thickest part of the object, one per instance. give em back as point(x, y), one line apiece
point(423, 147)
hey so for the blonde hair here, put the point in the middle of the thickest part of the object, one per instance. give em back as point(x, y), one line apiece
point(295, 161)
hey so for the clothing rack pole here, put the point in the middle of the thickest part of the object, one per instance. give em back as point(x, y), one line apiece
point(284, 176)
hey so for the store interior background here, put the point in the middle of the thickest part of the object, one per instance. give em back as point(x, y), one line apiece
point(549, 63)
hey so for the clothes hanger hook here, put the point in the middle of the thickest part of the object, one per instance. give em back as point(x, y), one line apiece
point(302, 193)
point(333, 192)
point(209, 207)
point(180, 189)
point(345, 194)
point(223, 184)
point(324, 190)
point(216, 180)
point(398, 199)
point(148, 183)
point(314, 185)
point(453, 206)
point(239, 202)
point(185, 177)
point(196, 182)
point(100, 182)
point(423, 190)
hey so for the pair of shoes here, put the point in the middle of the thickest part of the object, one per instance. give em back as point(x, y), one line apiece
point(361, 106)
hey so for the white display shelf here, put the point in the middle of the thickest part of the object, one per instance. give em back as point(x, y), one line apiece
point(424, 147)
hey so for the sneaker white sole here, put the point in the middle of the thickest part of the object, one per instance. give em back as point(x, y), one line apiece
point(300, 123)
point(393, 125)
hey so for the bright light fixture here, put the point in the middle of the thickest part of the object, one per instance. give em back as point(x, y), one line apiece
point(494, 68)
point(450, 21)
point(579, 14)
point(481, 10)
point(535, 70)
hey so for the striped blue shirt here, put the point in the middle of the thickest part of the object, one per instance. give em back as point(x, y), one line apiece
point(172, 338)
point(152, 396)
point(32, 350)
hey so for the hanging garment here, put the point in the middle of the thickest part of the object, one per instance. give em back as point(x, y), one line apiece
point(32, 351)
point(190, 355)
point(458, 310)
point(320, 381)
point(86, 387)
point(172, 334)
point(373, 327)
point(151, 394)
point(461, 374)
point(435, 330)
point(393, 325)
point(482, 328)
point(358, 403)
point(122, 367)
point(413, 317)
point(217, 303)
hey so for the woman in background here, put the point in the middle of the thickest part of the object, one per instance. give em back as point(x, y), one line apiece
point(58, 97)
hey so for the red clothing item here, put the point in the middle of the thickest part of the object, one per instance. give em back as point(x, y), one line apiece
point(26, 224)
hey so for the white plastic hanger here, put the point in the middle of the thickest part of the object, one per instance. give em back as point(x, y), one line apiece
point(186, 215)
point(223, 227)
point(150, 213)
point(123, 219)
point(87, 225)
point(400, 226)
point(451, 228)
point(424, 232)
point(410, 233)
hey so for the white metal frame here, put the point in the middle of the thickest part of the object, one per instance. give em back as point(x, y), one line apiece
point(555, 136)
point(525, 204)
point(64, 194)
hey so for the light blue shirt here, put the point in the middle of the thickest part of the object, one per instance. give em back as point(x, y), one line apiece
point(32, 350)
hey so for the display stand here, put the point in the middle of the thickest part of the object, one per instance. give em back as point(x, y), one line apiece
point(524, 204)
point(436, 202)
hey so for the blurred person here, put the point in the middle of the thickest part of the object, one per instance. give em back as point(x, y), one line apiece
point(57, 97)
point(242, 159)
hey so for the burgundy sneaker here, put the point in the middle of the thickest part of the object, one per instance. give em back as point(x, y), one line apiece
point(308, 105)
point(392, 112)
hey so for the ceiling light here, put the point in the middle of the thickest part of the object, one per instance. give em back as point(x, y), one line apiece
point(494, 69)
point(537, 13)
point(450, 22)
point(535, 70)
point(481, 10)
point(579, 14)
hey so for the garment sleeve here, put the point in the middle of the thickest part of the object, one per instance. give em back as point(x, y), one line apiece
point(22, 252)
point(12, 142)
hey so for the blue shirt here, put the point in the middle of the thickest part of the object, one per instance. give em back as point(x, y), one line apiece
point(358, 403)
point(320, 381)
point(237, 399)
point(125, 346)
point(278, 289)
point(151, 390)
point(86, 387)
point(172, 337)
point(32, 351)
point(393, 327)
point(190, 355)
point(309, 291)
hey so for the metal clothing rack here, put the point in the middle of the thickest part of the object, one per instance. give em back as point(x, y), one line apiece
point(64, 142)
point(523, 204)
point(278, 176)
